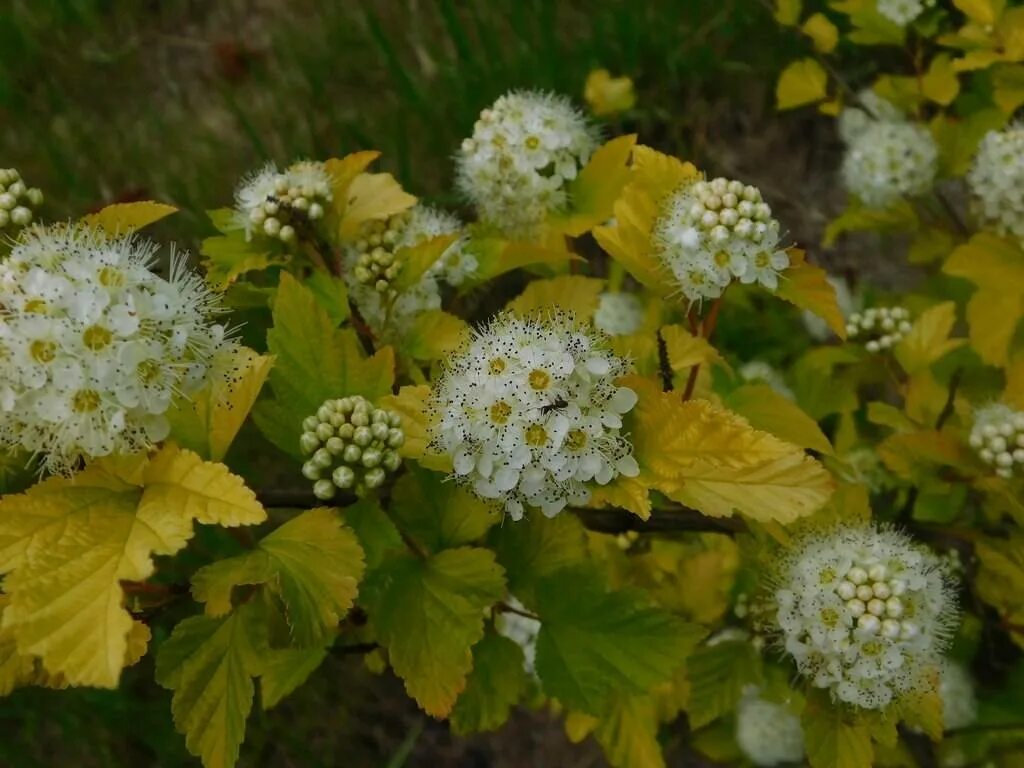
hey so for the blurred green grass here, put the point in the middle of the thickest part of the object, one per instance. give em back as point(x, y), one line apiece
point(107, 100)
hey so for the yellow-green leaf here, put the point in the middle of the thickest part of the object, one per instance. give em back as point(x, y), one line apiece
point(593, 193)
point(434, 335)
point(372, 197)
point(807, 287)
point(766, 409)
point(122, 218)
point(495, 685)
point(412, 403)
point(984, 12)
point(802, 82)
point(928, 340)
point(284, 670)
point(787, 12)
point(940, 82)
point(686, 350)
point(417, 259)
point(628, 733)
point(1008, 87)
point(607, 95)
point(228, 257)
point(717, 675)
point(568, 293)
point(832, 738)
point(822, 31)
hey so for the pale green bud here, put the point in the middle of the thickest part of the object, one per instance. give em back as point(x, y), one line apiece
point(323, 489)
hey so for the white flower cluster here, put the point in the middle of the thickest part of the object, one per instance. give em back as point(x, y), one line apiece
point(372, 264)
point(94, 346)
point(888, 159)
point(996, 181)
point(998, 436)
point(880, 328)
point(903, 12)
point(359, 441)
point(768, 733)
point(959, 702)
point(712, 232)
point(864, 612)
point(521, 630)
point(758, 371)
point(524, 150)
point(272, 203)
point(16, 199)
point(530, 413)
point(619, 314)
point(871, 107)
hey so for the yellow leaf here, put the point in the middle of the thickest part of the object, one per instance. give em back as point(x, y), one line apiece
point(1013, 395)
point(568, 293)
point(138, 643)
point(607, 95)
point(371, 197)
point(807, 287)
point(209, 420)
point(121, 218)
point(766, 409)
point(343, 172)
point(802, 82)
point(984, 12)
point(417, 259)
point(628, 733)
point(822, 31)
point(625, 492)
point(910, 453)
point(787, 12)
point(686, 350)
point(1008, 87)
point(831, 108)
point(832, 737)
point(1000, 579)
point(593, 193)
point(940, 82)
point(928, 340)
point(495, 256)
point(434, 335)
point(929, 245)
point(15, 670)
point(67, 544)
point(412, 403)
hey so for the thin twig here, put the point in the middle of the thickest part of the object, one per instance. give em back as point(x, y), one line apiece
point(506, 608)
point(664, 366)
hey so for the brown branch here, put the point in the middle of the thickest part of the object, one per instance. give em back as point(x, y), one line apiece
point(947, 409)
point(506, 608)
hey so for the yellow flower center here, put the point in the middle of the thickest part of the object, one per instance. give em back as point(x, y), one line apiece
point(539, 379)
point(496, 365)
point(43, 351)
point(576, 440)
point(500, 412)
point(536, 435)
point(722, 259)
point(148, 370)
point(829, 617)
point(827, 576)
point(86, 400)
point(872, 648)
point(532, 142)
point(96, 337)
point(111, 277)
point(36, 306)
point(762, 260)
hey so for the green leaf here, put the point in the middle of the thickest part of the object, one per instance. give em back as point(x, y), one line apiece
point(766, 409)
point(122, 218)
point(435, 335)
point(495, 685)
point(802, 82)
point(286, 669)
point(928, 340)
point(717, 675)
point(417, 259)
point(374, 529)
point(331, 294)
point(628, 733)
point(806, 286)
point(439, 514)
point(594, 644)
point(537, 547)
point(312, 562)
point(315, 362)
point(832, 739)
point(209, 664)
point(429, 613)
point(898, 217)
point(228, 257)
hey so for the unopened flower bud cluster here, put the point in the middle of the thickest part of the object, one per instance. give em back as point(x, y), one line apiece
point(524, 151)
point(998, 437)
point(375, 264)
point(16, 200)
point(996, 181)
point(713, 232)
point(865, 613)
point(879, 328)
point(903, 12)
point(351, 445)
point(271, 203)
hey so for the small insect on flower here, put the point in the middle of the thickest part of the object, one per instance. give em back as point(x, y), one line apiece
point(767, 732)
point(879, 328)
point(95, 347)
point(998, 437)
point(524, 151)
point(278, 204)
point(17, 201)
point(530, 413)
point(864, 612)
point(996, 180)
point(710, 233)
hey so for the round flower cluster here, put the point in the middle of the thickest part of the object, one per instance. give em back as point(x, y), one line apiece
point(879, 328)
point(273, 203)
point(524, 150)
point(959, 703)
point(888, 160)
point(996, 181)
point(16, 200)
point(998, 437)
point(864, 612)
point(619, 314)
point(94, 345)
point(903, 12)
point(758, 371)
point(521, 630)
point(768, 733)
point(871, 107)
point(373, 263)
point(711, 232)
point(530, 413)
point(359, 441)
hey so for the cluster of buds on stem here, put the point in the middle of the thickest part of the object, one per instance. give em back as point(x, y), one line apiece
point(351, 445)
point(998, 437)
point(880, 328)
point(376, 265)
point(16, 200)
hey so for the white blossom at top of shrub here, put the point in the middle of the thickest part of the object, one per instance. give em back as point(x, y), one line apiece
point(525, 149)
point(380, 302)
point(619, 314)
point(767, 732)
point(271, 202)
point(846, 301)
point(903, 12)
point(710, 233)
point(758, 371)
point(94, 345)
point(889, 160)
point(959, 703)
point(864, 612)
point(871, 108)
point(16, 200)
point(998, 436)
point(530, 413)
point(878, 328)
point(996, 181)
point(521, 630)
